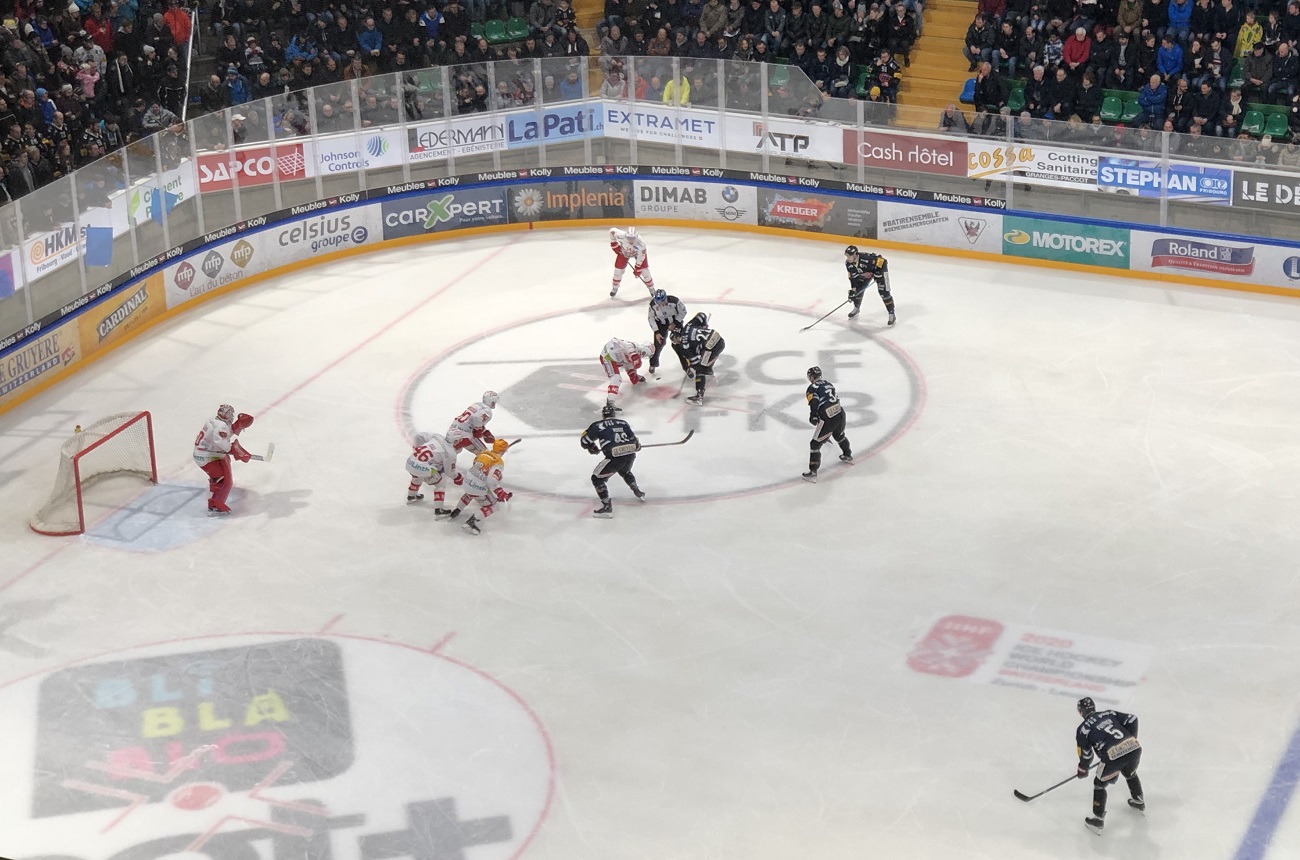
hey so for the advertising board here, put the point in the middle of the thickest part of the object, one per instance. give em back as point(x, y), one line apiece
point(215, 266)
point(1189, 182)
point(696, 201)
point(255, 165)
point(1033, 164)
point(1230, 260)
point(946, 156)
point(1065, 241)
point(578, 199)
point(449, 209)
point(817, 213)
point(939, 226)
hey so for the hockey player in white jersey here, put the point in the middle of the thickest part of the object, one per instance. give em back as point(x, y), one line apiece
point(213, 448)
point(469, 430)
point(432, 458)
point(666, 312)
point(628, 247)
point(482, 486)
point(617, 356)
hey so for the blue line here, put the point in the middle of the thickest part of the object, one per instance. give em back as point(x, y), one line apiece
point(1254, 845)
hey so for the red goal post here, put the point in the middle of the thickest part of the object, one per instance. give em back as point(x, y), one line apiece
point(119, 445)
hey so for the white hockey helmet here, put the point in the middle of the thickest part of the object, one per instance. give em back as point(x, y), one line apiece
point(631, 232)
point(226, 412)
point(490, 399)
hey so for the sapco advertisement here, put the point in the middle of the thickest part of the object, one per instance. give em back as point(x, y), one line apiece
point(278, 747)
point(576, 200)
point(1062, 241)
point(420, 214)
point(817, 213)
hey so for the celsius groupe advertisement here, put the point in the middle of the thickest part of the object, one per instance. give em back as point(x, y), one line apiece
point(56, 343)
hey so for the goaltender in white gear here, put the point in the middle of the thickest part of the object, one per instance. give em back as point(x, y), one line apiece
point(432, 458)
point(213, 448)
point(628, 247)
point(617, 356)
point(469, 429)
point(482, 486)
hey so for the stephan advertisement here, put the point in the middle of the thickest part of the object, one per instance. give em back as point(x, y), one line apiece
point(1189, 182)
point(940, 227)
point(817, 213)
point(444, 209)
point(696, 201)
point(1088, 244)
point(562, 201)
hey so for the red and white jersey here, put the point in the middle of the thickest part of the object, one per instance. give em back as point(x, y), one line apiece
point(622, 353)
point(470, 424)
point(480, 483)
point(213, 442)
point(631, 247)
point(433, 456)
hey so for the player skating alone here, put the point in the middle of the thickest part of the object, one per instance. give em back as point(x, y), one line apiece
point(701, 347)
point(628, 247)
point(482, 485)
point(620, 355)
point(614, 440)
point(863, 269)
point(1113, 737)
point(215, 445)
point(826, 414)
point(432, 458)
point(666, 312)
point(469, 430)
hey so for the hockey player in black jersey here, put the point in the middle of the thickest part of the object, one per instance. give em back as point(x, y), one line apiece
point(614, 440)
point(863, 269)
point(826, 414)
point(1113, 738)
point(665, 312)
point(701, 347)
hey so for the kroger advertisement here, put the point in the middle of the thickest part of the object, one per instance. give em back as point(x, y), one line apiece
point(1242, 262)
point(1196, 183)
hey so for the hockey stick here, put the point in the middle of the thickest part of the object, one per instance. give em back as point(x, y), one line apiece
point(681, 387)
point(1028, 797)
point(837, 307)
point(265, 458)
point(682, 441)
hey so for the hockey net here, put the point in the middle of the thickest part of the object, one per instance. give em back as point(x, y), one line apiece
point(119, 445)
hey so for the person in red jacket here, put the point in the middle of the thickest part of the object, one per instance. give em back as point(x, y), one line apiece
point(178, 21)
point(1077, 52)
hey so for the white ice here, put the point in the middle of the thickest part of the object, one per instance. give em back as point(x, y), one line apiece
point(723, 671)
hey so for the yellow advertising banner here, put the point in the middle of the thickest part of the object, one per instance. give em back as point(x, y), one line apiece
point(40, 359)
point(123, 314)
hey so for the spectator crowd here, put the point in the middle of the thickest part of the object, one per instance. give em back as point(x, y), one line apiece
point(1196, 66)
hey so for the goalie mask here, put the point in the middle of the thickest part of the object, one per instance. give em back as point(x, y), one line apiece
point(490, 399)
point(226, 412)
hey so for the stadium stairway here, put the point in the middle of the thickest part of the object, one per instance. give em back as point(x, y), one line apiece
point(938, 71)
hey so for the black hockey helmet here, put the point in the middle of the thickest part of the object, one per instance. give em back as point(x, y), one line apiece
point(609, 411)
point(700, 319)
point(814, 373)
point(851, 251)
point(1087, 707)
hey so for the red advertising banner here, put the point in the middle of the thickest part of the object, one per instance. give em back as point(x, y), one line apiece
point(255, 166)
point(904, 152)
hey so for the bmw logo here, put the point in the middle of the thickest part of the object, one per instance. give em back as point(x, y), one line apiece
point(729, 194)
point(1291, 268)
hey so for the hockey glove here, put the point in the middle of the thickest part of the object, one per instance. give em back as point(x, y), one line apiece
point(690, 373)
point(1083, 771)
point(242, 423)
point(459, 479)
point(812, 419)
point(237, 451)
point(503, 495)
point(487, 436)
point(636, 380)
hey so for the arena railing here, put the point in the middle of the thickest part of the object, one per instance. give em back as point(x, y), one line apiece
point(72, 237)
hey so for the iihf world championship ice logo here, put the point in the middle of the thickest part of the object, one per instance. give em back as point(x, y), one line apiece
point(309, 747)
point(751, 434)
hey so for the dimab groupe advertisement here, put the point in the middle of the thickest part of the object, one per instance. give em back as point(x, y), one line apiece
point(817, 213)
point(696, 201)
point(576, 200)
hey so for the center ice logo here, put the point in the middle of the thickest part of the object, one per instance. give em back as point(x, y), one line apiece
point(751, 434)
point(277, 747)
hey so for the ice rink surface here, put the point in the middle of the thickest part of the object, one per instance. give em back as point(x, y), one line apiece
point(1065, 486)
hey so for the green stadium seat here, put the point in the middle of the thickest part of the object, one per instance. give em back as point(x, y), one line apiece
point(517, 29)
point(1131, 108)
point(1112, 108)
point(1238, 76)
point(1253, 123)
point(1016, 97)
point(778, 76)
point(861, 86)
point(476, 31)
point(1276, 126)
point(495, 31)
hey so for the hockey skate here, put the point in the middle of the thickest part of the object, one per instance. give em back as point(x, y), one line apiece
point(451, 515)
point(636, 491)
point(892, 319)
point(218, 509)
point(610, 404)
point(697, 399)
point(654, 370)
point(604, 512)
point(856, 310)
point(442, 512)
point(614, 291)
point(471, 526)
point(1137, 803)
point(412, 498)
point(1094, 824)
point(846, 458)
point(810, 476)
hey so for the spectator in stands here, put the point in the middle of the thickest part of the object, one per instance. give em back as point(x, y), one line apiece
point(713, 17)
point(1257, 72)
point(992, 10)
point(1272, 32)
point(979, 42)
point(1006, 47)
point(1250, 34)
point(1178, 13)
point(990, 91)
point(1035, 92)
point(1207, 107)
point(902, 33)
point(1169, 59)
point(838, 25)
point(1228, 21)
point(1232, 115)
point(1053, 52)
point(1152, 100)
point(1178, 109)
point(1285, 71)
point(953, 121)
point(1088, 97)
point(213, 96)
point(678, 91)
point(1060, 95)
point(158, 118)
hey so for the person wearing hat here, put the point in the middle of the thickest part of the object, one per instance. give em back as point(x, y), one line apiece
point(236, 86)
point(1257, 72)
point(238, 133)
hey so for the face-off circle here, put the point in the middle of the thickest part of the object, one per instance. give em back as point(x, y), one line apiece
point(321, 745)
point(751, 435)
